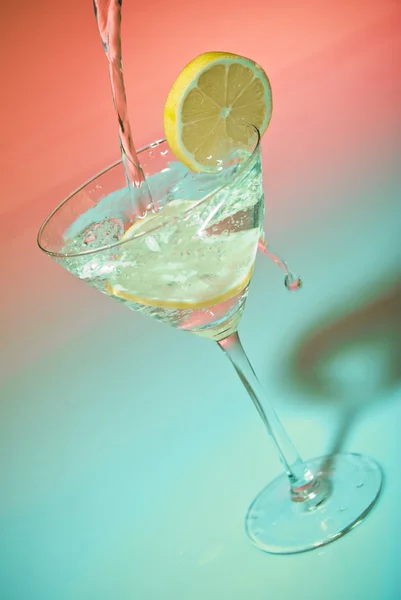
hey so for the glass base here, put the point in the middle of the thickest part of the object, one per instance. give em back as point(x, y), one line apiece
point(278, 525)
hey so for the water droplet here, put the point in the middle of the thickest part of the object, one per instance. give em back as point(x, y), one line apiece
point(292, 282)
point(152, 243)
point(360, 484)
point(89, 237)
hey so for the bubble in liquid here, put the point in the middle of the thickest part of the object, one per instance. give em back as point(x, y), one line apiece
point(292, 282)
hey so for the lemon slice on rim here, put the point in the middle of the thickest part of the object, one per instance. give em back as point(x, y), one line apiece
point(192, 273)
point(212, 98)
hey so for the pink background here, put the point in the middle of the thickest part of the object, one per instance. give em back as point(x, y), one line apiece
point(334, 71)
point(72, 402)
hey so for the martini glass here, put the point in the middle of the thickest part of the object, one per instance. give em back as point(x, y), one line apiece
point(189, 263)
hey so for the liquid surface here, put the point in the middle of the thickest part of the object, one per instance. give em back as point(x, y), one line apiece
point(189, 264)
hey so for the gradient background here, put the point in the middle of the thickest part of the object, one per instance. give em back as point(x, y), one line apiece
point(129, 452)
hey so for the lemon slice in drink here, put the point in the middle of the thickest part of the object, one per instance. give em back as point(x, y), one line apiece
point(179, 270)
point(210, 101)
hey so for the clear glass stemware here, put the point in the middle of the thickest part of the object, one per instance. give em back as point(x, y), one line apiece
point(188, 263)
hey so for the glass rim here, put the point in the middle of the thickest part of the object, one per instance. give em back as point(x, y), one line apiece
point(140, 234)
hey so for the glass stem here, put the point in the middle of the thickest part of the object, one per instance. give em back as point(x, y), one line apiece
point(303, 484)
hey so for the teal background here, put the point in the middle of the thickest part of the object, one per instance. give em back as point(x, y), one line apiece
point(129, 452)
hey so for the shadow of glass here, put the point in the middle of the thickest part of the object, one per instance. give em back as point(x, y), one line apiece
point(352, 361)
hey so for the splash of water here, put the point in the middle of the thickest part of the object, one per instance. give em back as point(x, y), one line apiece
point(108, 17)
point(292, 282)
